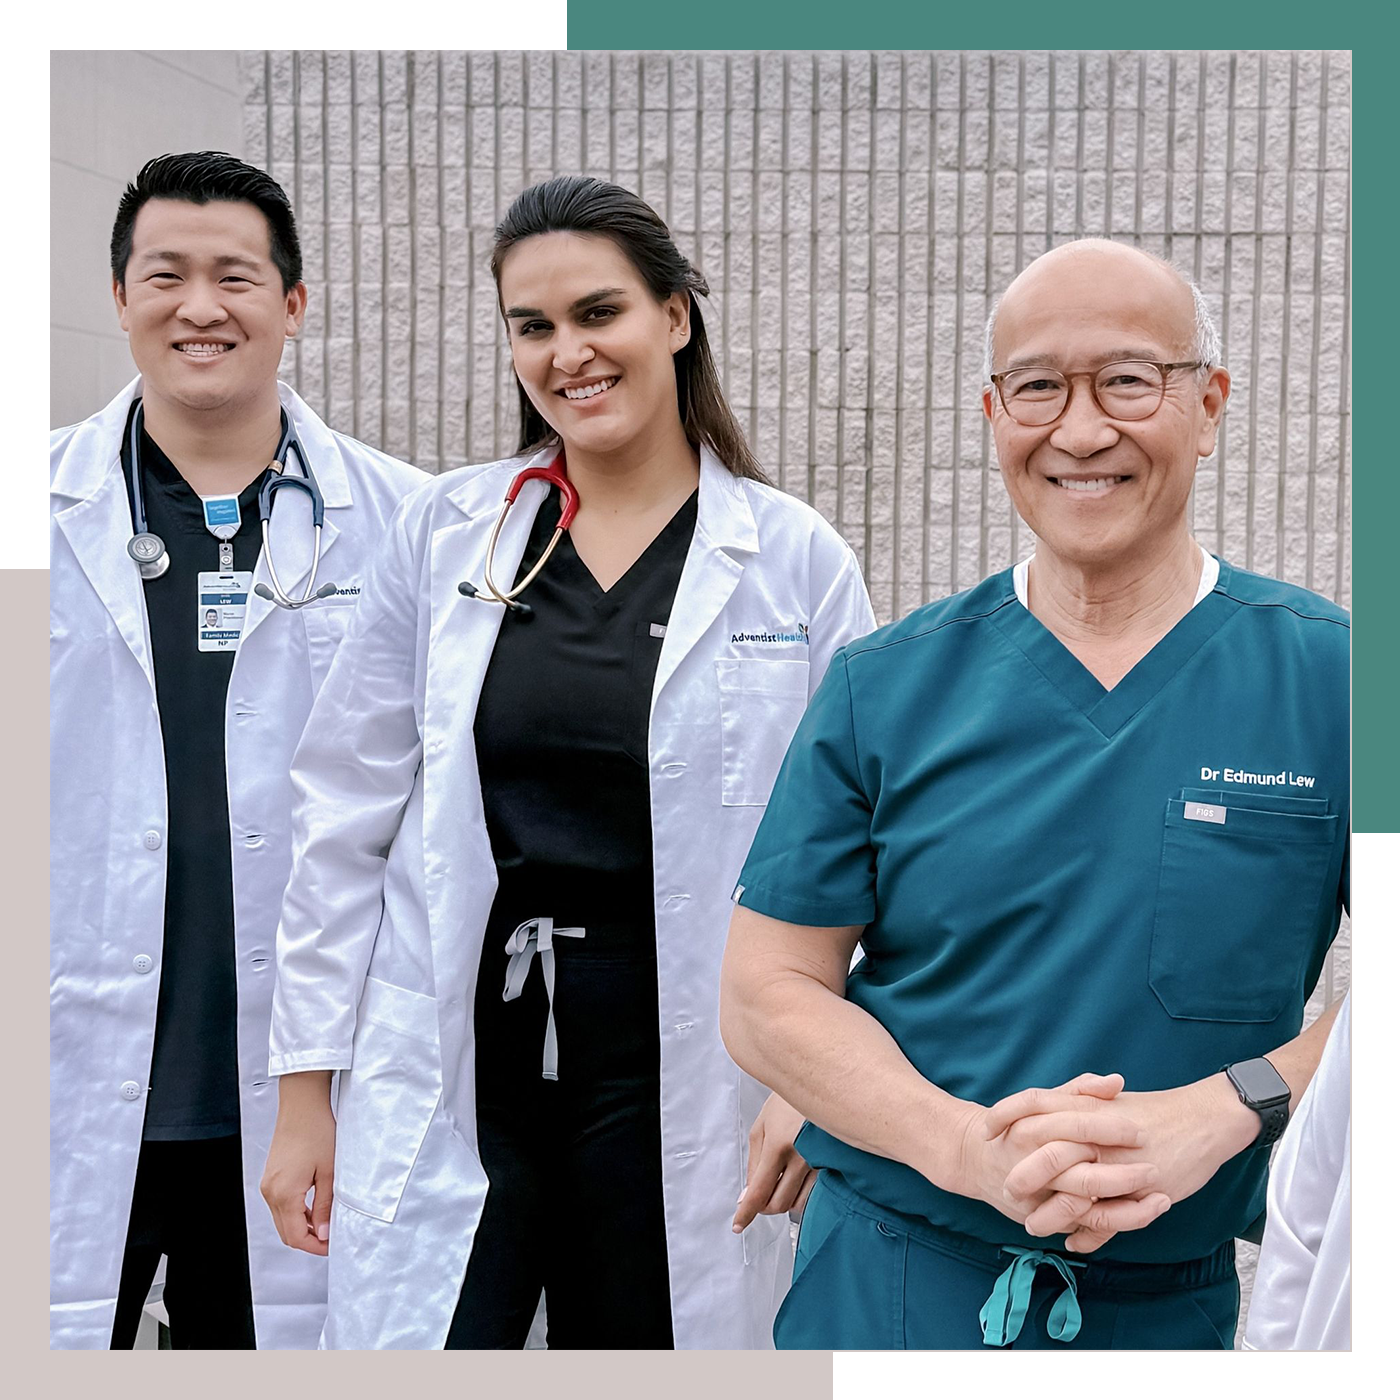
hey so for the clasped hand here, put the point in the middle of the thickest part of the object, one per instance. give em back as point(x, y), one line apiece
point(1083, 1160)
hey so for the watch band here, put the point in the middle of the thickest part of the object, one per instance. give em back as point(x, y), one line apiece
point(1270, 1102)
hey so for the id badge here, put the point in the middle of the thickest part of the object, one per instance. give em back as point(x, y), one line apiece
point(223, 599)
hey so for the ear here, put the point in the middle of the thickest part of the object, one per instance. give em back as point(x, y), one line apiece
point(677, 308)
point(296, 309)
point(1213, 397)
point(119, 297)
point(988, 397)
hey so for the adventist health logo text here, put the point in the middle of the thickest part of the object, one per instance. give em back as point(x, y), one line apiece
point(771, 637)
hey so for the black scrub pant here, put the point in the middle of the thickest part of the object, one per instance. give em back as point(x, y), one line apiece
point(188, 1206)
point(575, 1205)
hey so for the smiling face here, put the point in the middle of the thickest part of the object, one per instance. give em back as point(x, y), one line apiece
point(591, 344)
point(203, 303)
point(1096, 490)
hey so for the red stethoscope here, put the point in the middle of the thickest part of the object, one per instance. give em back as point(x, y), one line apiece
point(556, 473)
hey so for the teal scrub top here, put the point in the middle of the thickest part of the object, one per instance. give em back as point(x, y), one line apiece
point(1057, 878)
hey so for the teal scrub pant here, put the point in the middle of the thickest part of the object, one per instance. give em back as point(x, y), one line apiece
point(871, 1279)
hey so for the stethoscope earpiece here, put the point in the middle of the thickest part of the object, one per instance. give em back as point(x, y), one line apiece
point(522, 610)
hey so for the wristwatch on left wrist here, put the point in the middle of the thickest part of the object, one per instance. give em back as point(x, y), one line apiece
point(1262, 1088)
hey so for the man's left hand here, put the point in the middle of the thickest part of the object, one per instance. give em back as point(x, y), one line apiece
point(1191, 1132)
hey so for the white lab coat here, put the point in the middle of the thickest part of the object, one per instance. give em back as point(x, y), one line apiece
point(108, 815)
point(1302, 1287)
point(393, 880)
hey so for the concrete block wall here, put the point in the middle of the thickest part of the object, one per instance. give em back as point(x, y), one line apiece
point(855, 214)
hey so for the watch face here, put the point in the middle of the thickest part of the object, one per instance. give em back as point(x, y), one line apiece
point(1259, 1080)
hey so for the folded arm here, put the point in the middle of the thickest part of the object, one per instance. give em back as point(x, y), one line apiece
point(785, 1019)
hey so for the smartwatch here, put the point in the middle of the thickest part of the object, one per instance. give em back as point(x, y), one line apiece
point(1262, 1088)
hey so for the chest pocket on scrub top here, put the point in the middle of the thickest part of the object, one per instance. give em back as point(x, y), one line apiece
point(760, 704)
point(326, 624)
point(1240, 905)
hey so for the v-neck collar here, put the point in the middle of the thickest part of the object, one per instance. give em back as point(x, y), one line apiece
point(609, 599)
point(1109, 710)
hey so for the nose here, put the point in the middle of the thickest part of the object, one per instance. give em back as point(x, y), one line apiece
point(571, 350)
point(202, 305)
point(1082, 428)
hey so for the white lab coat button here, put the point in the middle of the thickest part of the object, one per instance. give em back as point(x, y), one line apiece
point(131, 1090)
point(142, 963)
point(151, 840)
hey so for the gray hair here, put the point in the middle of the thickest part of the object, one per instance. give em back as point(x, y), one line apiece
point(1205, 343)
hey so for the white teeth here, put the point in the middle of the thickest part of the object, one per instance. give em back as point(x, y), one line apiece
point(203, 349)
point(1098, 484)
point(590, 391)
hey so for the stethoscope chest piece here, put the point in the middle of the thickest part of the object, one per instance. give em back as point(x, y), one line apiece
point(149, 552)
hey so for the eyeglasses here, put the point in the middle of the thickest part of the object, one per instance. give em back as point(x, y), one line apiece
point(1127, 389)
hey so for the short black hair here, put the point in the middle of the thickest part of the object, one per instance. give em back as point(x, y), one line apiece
point(200, 177)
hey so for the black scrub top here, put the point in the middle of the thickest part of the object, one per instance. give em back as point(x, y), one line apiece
point(561, 728)
point(194, 1070)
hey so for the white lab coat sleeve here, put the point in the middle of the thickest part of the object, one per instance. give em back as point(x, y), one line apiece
point(352, 775)
point(843, 613)
point(1302, 1288)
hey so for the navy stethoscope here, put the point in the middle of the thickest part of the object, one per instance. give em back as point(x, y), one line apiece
point(556, 473)
point(152, 558)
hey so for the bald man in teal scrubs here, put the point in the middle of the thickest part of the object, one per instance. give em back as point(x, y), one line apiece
point(1089, 824)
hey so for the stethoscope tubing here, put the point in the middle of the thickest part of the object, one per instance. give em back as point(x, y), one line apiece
point(556, 473)
point(152, 558)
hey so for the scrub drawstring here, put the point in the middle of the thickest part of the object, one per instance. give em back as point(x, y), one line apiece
point(1004, 1312)
point(531, 936)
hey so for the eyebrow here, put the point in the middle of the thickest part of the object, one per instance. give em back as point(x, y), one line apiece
point(581, 304)
point(226, 260)
point(1054, 361)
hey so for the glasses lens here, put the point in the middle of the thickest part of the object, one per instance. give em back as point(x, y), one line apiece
point(1033, 396)
point(1129, 389)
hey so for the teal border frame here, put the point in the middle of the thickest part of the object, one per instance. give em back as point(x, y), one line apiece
point(821, 24)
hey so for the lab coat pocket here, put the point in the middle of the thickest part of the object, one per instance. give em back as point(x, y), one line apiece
point(387, 1097)
point(1240, 905)
point(326, 623)
point(760, 704)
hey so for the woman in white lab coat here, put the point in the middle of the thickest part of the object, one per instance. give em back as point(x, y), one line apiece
point(573, 782)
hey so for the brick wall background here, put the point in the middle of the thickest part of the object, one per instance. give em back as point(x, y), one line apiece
point(855, 213)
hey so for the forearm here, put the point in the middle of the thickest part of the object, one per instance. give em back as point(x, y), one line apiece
point(1297, 1061)
point(1231, 1127)
point(303, 1092)
point(840, 1068)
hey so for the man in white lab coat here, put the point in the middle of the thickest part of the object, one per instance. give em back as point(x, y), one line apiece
point(171, 746)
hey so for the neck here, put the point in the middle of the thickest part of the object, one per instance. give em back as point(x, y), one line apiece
point(1143, 598)
point(656, 471)
point(221, 450)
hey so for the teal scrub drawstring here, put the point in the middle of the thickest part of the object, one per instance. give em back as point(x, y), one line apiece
point(1004, 1312)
